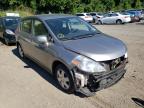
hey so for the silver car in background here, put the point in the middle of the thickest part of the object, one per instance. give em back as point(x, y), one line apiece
point(114, 18)
point(80, 57)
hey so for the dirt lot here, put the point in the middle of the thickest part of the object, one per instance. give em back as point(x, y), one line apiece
point(23, 84)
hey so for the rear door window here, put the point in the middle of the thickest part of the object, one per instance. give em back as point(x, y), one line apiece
point(26, 26)
point(113, 15)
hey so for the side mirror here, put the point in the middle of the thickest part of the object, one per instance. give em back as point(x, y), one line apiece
point(42, 39)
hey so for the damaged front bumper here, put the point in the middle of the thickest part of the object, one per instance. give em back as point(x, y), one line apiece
point(88, 84)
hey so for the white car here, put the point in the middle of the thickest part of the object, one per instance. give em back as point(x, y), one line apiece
point(86, 16)
point(114, 18)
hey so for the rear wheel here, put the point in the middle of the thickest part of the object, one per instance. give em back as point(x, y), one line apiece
point(20, 51)
point(119, 21)
point(64, 79)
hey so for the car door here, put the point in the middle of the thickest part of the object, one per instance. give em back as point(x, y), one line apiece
point(26, 36)
point(114, 17)
point(42, 52)
point(106, 19)
point(109, 19)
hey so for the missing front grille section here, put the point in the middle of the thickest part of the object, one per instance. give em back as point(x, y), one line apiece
point(113, 64)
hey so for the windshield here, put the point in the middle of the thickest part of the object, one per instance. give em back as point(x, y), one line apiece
point(71, 28)
point(11, 21)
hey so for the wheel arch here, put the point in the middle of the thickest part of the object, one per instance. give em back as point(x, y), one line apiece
point(119, 20)
point(58, 62)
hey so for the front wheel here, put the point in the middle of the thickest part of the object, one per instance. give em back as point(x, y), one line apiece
point(64, 79)
point(99, 22)
point(20, 51)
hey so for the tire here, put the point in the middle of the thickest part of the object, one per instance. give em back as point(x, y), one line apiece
point(6, 41)
point(20, 51)
point(119, 21)
point(64, 79)
point(99, 22)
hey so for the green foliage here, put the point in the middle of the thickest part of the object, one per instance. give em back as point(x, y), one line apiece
point(126, 4)
point(138, 4)
point(69, 6)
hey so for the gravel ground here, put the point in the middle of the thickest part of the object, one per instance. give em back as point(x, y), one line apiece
point(23, 84)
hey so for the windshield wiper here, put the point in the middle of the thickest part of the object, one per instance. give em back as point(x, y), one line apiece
point(80, 36)
point(84, 36)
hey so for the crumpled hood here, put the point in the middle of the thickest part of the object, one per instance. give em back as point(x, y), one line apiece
point(98, 48)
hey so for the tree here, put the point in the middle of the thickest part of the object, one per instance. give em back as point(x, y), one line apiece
point(138, 4)
point(126, 4)
point(108, 4)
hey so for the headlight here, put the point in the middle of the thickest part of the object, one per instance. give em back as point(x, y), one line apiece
point(126, 55)
point(10, 32)
point(87, 65)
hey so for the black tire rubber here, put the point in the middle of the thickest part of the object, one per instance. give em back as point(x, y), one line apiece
point(65, 69)
point(118, 21)
point(99, 22)
point(18, 45)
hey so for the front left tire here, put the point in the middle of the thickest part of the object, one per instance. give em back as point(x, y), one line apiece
point(64, 79)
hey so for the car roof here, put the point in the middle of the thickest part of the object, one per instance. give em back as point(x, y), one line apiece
point(49, 16)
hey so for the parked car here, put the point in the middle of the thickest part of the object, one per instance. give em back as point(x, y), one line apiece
point(114, 18)
point(86, 16)
point(96, 16)
point(80, 57)
point(142, 14)
point(8, 26)
point(132, 16)
point(137, 13)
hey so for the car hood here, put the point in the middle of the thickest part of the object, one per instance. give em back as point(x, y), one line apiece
point(99, 47)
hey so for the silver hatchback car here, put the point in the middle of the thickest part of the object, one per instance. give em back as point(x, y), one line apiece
point(80, 57)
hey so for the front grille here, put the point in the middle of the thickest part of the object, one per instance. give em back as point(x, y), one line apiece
point(113, 64)
point(98, 82)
